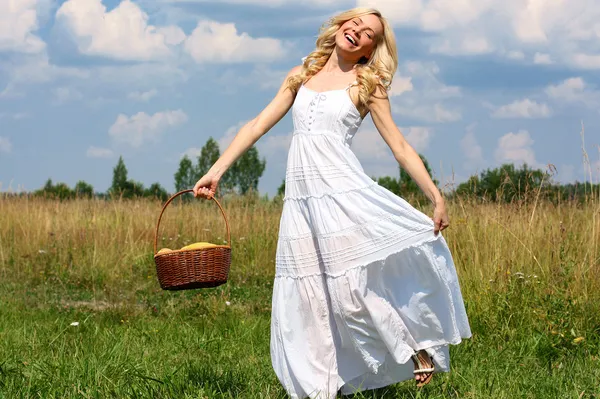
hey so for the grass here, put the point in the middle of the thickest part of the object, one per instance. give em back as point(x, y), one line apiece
point(529, 274)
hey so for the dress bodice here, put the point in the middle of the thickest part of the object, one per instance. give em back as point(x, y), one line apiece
point(330, 112)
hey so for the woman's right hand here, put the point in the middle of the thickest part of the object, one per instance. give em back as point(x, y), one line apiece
point(206, 187)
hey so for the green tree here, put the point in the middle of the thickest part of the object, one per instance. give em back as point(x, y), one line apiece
point(49, 186)
point(119, 184)
point(62, 191)
point(408, 186)
point(58, 191)
point(390, 183)
point(83, 189)
point(506, 183)
point(209, 154)
point(184, 177)
point(133, 189)
point(281, 189)
point(156, 191)
point(405, 186)
point(247, 171)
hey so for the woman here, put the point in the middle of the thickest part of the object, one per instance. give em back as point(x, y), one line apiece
point(364, 282)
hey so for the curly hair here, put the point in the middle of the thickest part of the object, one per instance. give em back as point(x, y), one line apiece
point(378, 70)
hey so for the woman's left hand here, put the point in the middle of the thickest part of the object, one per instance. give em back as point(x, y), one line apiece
point(440, 218)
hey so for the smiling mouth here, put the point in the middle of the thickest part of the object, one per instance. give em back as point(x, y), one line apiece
point(350, 39)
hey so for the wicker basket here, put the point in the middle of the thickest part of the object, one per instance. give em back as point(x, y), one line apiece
point(192, 268)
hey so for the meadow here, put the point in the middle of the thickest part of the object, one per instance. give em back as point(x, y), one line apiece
point(82, 314)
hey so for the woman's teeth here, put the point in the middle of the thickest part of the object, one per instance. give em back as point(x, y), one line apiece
point(350, 39)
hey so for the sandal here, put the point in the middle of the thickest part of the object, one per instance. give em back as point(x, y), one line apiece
point(422, 367)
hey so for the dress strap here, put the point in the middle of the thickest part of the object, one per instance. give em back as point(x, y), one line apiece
point(351, 84)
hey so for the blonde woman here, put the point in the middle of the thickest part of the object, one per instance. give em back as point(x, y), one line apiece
point(364, 282)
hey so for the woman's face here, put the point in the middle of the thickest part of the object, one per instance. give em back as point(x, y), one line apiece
point(357, 36)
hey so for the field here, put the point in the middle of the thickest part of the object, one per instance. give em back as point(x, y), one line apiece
point(82, 315)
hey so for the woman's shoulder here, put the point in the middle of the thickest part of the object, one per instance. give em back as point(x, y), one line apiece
point(295, 70)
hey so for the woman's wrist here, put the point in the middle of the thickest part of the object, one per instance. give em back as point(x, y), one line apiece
point(217, 171)
point(438, 200)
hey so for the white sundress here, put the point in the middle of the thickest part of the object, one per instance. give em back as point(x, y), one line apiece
point(361, 280)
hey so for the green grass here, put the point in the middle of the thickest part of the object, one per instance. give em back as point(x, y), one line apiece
point(531, 294)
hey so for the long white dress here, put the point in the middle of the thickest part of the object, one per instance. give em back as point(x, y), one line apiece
point(361, 280)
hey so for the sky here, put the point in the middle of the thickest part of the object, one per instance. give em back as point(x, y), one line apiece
point(480, 83)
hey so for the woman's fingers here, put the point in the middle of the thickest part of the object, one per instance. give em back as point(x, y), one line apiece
point(205, 187)
point(203, 192)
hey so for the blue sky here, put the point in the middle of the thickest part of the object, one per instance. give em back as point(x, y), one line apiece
point(480, 83)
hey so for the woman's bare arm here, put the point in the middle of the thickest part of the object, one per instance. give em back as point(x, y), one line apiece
point(407, 157)
point(252, 131)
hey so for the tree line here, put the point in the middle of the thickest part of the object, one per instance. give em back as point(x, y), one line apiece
point(506, 183)
point(241, 178)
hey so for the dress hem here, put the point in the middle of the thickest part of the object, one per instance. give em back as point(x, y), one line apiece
point(349, 390)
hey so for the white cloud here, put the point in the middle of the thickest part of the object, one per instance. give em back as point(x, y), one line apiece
point(122, 33)
point(585, 61)
point(5, 144)
point(141, 127)
point(144, 96)
point(569, 90)
point(192, 153)
point(261, 76)
point(463, 46)
point(435, 113)
point(368, 144)
point(400, 84)
point(18, 21)
point(271, 3)
point(230, 135)
point(515, 55)
point(418, 137)
point(525, 108)
point(574, 90)
point(38, 69)
point(442, 114)
point(542, 59)
point(516, 148)
point(213, 42)
point(98, 152)
point(471, 149)
point(20, 115)
point(377, 157)
point(565, 32)
point(16, 116)
point(424, 101)
point(275, 145)
point(374, 153)
point(64, 94)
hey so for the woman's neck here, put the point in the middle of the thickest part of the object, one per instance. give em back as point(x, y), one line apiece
point(337, 64)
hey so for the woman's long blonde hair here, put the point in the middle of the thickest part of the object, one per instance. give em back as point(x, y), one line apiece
point(378, 70)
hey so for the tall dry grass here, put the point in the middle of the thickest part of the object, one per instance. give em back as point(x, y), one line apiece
point(95, 242)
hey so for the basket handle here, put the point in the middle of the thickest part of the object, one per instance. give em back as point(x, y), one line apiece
point(171, 199)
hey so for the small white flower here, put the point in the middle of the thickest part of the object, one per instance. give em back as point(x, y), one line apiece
point(519, 274)
point(206, 229)
point(242, 238)
point(227, 303)
point(42, 251)
point(75, 323)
